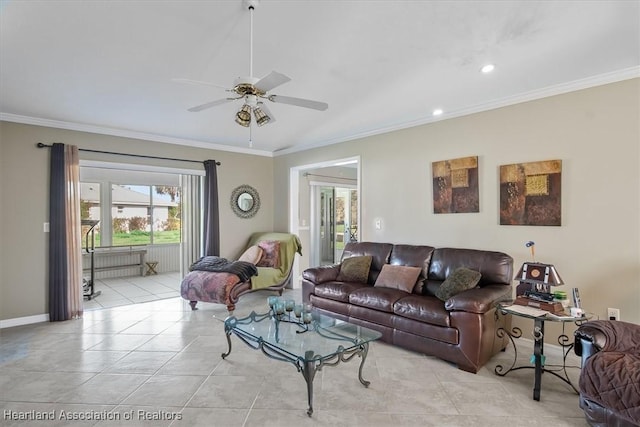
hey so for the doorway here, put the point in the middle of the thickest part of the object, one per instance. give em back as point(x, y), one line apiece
point(324, 209)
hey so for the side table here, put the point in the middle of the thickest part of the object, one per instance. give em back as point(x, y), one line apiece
point(151, 268)
point(539, 317)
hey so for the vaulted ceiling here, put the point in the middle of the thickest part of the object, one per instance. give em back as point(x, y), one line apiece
point(109, 66)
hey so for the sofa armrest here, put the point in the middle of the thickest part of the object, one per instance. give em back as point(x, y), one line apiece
point(607, 335)
point(325, 273)
point(478, 300)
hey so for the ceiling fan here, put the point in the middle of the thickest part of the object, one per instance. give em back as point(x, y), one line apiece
point(253, 91)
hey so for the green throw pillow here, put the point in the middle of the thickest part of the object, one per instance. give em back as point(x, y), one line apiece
point(458, 281)
point(355, 269)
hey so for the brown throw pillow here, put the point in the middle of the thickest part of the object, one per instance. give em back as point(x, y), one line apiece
point(253, 254)
point(458, 281)
point(270, 254)
point(355, 269)
point(398, 277)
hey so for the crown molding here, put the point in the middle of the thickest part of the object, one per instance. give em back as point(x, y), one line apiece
point(58, 124)
point(589, 82)
point(599, 80)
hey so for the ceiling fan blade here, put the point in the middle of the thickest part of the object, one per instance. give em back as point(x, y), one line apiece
point(306, 103)
point(271, 80)
point(210, 104)
point(198, 83)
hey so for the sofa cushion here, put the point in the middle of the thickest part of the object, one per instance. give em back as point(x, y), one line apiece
point(458, 281)
point(423, 309)
point(495, 267)
point(381, 299)
point(398, 277)
point(379, 251)
point(355, 269)
point(412, 255)
point(270, 254)
point(253, 254)
point(337, 291)
point(612, 379)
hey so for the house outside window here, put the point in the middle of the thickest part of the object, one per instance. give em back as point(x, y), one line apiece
point(139, 214)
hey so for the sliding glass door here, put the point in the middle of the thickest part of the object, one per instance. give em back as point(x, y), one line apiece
point(334, 222)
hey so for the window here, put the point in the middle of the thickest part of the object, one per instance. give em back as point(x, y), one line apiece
point(129, 214)
point(144, 214)
point(139, 214)
point(166, 213)
point(90, 209)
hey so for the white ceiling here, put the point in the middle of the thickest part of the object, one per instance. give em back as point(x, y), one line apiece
point(107, 66)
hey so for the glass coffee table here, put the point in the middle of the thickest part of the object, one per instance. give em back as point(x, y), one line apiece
point(323, 341)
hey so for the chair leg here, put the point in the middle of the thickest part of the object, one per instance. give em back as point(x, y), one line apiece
point(193, 305)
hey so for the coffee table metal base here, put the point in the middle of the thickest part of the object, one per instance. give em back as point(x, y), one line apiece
point(307, 366)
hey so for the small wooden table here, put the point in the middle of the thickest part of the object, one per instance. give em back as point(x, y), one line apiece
point(151, 267)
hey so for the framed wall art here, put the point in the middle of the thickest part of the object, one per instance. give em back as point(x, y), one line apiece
point(455, 186)
point(530, 193)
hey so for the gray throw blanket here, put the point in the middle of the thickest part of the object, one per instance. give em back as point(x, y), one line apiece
point(244, 270)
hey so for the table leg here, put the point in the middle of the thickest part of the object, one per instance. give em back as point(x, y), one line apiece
point(228, 334)
point(538, 351)
point(309, 372)
point(364, 352)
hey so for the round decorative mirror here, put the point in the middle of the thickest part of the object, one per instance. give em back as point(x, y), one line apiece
point(245, 201)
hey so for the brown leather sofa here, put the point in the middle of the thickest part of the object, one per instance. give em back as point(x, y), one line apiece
point(610, 376)
point(461, 329)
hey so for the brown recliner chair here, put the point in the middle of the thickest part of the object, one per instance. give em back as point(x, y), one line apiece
point(610, 377)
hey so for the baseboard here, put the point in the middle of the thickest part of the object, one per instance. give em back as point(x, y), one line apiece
point(27, 320)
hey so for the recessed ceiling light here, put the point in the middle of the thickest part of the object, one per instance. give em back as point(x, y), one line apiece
point(437, 112)
point(488, 68)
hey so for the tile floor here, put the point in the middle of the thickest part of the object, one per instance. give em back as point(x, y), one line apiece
point(134, 289)
point(159, 364)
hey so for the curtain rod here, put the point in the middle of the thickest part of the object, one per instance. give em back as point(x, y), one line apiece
point(41, 145)
point(327, 176)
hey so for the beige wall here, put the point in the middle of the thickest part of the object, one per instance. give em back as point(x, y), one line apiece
point(24, 177)
point(596, 134)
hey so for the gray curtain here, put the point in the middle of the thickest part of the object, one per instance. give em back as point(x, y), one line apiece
point(65, 260)
point(211, 220)
point(58, 300)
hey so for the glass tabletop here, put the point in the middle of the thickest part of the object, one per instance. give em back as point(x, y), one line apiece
point(324, 337)
point(533, 313)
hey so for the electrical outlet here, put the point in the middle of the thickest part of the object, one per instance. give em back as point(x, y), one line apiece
point(613, 313)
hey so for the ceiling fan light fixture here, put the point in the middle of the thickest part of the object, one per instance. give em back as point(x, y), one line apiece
point(243, 117)
point(261, 117)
